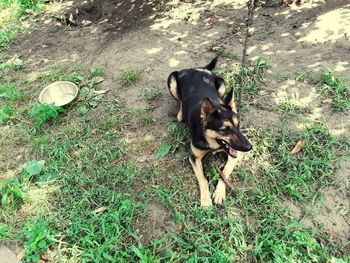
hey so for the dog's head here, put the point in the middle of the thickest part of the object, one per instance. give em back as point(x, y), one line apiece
point(221, 125)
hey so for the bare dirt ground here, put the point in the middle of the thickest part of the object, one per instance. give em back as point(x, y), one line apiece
point(156, 38)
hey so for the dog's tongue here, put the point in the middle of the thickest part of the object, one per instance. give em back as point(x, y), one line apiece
point(233, 152)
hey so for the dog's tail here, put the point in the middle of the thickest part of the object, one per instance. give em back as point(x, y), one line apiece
point(212, 64)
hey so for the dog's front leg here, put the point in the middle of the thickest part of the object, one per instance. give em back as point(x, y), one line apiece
point(220, 191)
point(196, 162)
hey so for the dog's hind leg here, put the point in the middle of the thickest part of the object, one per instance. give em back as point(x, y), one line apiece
point(196, 162)
point(180, 116)
point(174, 91)
point(220, 191)
point(172, 85)
point(220, 86)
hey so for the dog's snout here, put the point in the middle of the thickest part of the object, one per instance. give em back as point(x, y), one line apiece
point(248, 146)
point(243, 145)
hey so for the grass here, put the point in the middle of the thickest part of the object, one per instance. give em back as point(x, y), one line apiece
point(150, 94)
point(12, 11)
point(222, 52)
point(42, 113)
point(336, 89)
point(10, 96)
point(143, 116)
point(291, 109)
point(249, 79)
point(300, 176)
point(97, 212)
point(267, 31)
point(6, 36)
point(302, 76)
point(175, 138)
point(81, 194)
point(129, 77)
point(39, 238)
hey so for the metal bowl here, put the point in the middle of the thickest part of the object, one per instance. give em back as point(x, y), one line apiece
point(59, 93)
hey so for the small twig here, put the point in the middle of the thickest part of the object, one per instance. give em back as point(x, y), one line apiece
point(223, 177)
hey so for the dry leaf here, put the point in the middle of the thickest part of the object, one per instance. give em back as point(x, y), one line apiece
point(211, 21)
point(100, 209)
point(103, 91)
point(86, 22)
point(178, 226)
point(333, 235)
point(298, 147)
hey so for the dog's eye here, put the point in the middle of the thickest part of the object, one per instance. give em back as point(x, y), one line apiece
point(226, 129)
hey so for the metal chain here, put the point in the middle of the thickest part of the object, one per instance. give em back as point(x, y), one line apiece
point(248, 22)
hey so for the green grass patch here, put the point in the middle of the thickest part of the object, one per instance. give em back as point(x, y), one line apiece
point(336, 89)
point(176, 137)
point(39, 237)
point(143, 116)
point(249, 79)
point(99, 189)
point(42, 113)
point(10, 92)
point(6, 113)
point(24, 7)
point(11, 11)
point(299, 175)
point(129, 77)
point(6, 36)
point(291, 109)
point(302, 76)
point(150, 93)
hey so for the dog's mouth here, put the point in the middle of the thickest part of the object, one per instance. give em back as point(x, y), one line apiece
point(228, 149)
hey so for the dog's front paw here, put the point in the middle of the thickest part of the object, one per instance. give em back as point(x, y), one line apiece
point(220, 193)
point(206, 200)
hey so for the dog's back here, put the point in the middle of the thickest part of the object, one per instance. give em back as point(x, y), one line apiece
point(194, 86)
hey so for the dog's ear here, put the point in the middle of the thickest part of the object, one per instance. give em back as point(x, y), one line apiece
point(207, 109)
point(172, 85)
point(230, 100)
point(212, 64)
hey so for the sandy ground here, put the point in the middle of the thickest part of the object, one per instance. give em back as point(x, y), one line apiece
point(156, 38)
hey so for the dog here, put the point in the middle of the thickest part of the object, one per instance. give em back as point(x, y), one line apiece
point(212, 122)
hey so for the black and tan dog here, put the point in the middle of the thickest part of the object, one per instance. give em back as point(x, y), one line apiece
point(211, 120)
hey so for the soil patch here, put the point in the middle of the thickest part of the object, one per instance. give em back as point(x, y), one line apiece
point(159, 222)
point(114, 15)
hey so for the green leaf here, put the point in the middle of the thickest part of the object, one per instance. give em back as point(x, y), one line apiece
point(3, 231)
point(5, 113)
point(137, 252)
point(4, 199)
point(83, 110)
point(34, 167)
point(162, 151)
point(42, 244)
point(46, 177)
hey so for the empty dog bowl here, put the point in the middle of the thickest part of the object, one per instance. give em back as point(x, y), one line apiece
point(59, 93)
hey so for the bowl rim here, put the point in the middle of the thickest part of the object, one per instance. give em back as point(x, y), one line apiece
point(55, 83)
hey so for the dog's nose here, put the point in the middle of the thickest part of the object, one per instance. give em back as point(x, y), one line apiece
point(247, 146)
